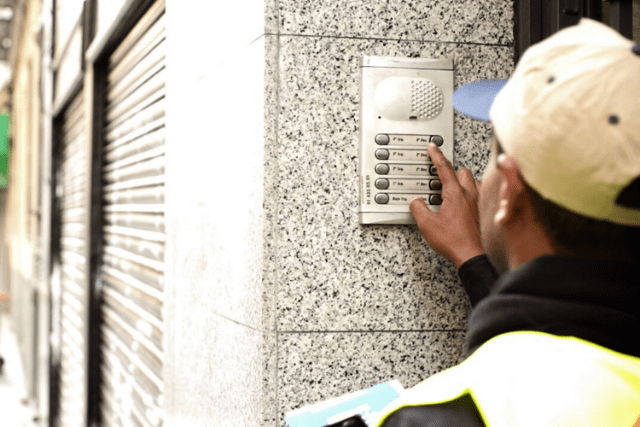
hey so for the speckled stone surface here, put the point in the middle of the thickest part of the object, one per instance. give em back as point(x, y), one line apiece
point(271, 14)
point(270, 234)
point(316, 367)
point(335, 274)
point(477, 21)
point(271, 181)
point(270, 407)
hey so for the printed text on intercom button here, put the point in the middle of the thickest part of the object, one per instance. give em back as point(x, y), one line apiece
point(422, 140)
point(405, 199)
point(402, 154)
point(408, 169)
point(408, 184)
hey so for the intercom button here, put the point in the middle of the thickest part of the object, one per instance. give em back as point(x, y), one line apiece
point(433, 170)
point(382, 139)
point(407, 154)
point(413, 140)
point(437, 139)
point(382, 183)
point(408, 169)
point(408, 184)
point(382, 198)
point(382, 168)
point(435, 199)
point(435, 184)
point(382, 154)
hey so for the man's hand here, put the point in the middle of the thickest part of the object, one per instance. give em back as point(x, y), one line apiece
point(454, 231)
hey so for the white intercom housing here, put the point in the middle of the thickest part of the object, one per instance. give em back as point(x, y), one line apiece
point(405, 103)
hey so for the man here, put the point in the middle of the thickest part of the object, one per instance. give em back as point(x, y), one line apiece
point(553, 338)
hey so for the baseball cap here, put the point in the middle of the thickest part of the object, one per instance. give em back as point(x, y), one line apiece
point(570, 115)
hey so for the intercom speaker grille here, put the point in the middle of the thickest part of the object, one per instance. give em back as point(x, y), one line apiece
point(427, 99)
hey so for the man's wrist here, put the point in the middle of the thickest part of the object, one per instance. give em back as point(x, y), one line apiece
point(460, 259)
point(477, 276)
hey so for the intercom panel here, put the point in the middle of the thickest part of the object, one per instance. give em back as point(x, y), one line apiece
point(405, 103)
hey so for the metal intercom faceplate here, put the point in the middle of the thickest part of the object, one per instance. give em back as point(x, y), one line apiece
point(405, 103)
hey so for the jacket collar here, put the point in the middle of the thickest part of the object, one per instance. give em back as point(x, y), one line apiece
point(597, 301)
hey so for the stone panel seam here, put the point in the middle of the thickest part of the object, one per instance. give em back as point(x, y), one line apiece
point(276, 220)
point(400, 331)
point(329, 36)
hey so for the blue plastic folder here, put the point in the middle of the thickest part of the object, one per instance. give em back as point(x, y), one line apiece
point(367, 403)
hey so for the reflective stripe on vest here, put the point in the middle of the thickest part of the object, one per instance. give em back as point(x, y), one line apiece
point(536, 379)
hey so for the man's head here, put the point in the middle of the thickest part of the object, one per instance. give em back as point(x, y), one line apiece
point(568, 122)
point(517, 222)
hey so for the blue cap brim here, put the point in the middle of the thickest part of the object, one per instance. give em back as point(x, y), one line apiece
point(475, 99)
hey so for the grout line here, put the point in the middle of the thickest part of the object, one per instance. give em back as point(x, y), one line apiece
point(276, 215)
point(332, 36)
point(372, 331)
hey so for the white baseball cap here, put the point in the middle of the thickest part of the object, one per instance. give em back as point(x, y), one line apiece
point(570, 115)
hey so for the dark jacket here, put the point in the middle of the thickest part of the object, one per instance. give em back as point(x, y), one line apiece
point(596, 301)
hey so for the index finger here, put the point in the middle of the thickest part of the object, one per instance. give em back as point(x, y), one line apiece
point(443, 165)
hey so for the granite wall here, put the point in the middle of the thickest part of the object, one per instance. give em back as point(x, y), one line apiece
point(276, 296)
point(349, 306)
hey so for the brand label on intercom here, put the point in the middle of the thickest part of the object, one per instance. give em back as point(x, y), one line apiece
point(405, 103)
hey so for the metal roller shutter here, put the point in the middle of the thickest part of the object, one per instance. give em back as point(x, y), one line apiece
point(74, 293)
point(132, 268)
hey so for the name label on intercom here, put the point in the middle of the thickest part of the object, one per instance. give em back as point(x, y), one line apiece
point(405, 105)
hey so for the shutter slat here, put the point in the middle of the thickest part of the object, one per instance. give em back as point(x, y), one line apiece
point(138, 79)
point(136, 183)
point(142, 144)
point(142, 39)
point(139, 157)
point(154, 251)
point(140, 73)
point(152, 89)
point(149, 236)
point(142, 221)
point(114, 321)
point(135, 134)
point(144, 169)
point(140, 372)
point(133, 230)
point(73, 174)
point(143, 113)
point(139, 356)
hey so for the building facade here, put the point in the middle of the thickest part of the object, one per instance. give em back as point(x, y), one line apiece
point(181, 242)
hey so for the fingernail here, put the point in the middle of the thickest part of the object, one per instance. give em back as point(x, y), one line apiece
point(501, 158)
point(432, 144)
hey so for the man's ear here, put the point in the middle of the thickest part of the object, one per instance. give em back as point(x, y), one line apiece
point(511, 192)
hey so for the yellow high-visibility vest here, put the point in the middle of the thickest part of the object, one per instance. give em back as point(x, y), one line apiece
point(536, 379)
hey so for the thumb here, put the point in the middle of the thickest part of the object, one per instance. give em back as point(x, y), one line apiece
point(420, 210)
